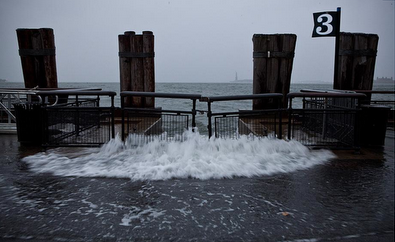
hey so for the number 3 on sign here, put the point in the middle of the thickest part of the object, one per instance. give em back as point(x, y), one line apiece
point(325, 24)
point(325, 20)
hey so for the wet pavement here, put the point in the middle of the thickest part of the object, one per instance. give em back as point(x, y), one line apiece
point(345, 199)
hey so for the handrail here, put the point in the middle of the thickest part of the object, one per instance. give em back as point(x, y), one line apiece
point(326, 91)
point(348, 91)
point(374, 92)
point(13, 91)
point(77, 92)
point(27, 93)
point(325, 94)
point(34, 90)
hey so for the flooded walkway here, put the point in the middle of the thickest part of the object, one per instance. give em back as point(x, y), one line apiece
point(343, 199)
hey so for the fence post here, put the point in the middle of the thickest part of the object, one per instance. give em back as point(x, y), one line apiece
point(193, 115)
point(289, 118)
point(123, 118)
point(37, 52)
point(356, 61)
point(273, 60)
point(136, 58)
point(112, 117)
point(209, 116)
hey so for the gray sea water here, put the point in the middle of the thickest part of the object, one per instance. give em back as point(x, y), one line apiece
point(196, 190)
point(205, 89)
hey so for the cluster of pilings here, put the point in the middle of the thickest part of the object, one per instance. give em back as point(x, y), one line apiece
point(136, 65)
point(273, 56)
point(37, 52)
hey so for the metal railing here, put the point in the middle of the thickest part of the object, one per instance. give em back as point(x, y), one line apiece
point(245, 122)
point(76, 118)
point(327, 119)
point(11, 96)
point(8, 97)
point(378, 97)
point(140, 125)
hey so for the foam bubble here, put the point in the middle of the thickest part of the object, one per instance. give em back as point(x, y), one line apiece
point(196, 157)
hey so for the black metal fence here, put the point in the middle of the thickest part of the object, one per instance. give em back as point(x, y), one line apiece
point(140, 125)
point(76, 118)
point(245, 122)
point(326, 119)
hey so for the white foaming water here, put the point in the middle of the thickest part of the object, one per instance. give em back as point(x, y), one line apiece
point(196, 157)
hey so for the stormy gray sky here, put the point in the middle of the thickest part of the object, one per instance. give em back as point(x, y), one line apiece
point(195, 41)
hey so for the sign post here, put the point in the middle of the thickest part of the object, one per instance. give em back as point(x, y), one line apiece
point(327, 24)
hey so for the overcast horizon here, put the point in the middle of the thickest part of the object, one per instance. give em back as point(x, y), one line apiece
point(195, 41)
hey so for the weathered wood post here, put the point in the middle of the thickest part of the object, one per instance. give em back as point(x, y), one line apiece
point(136, 62)
point(124, 63)
point(273, 60)
point(37, 52)
point(356, 61)
point(149, 66)
point(137, 71)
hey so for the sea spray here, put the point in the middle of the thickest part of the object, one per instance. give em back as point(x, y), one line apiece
point(196, 157)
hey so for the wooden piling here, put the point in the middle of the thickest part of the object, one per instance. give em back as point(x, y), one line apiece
point(124, 63)
point(37, 53)
point(149, 66)
point(356, 61)
point(273, 60)
point(137, 72)
point(136, 57)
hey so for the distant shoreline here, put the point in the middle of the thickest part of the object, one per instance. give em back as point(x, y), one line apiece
point(244, 81)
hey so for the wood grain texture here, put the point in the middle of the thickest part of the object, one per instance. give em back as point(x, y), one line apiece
point(272, 73)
